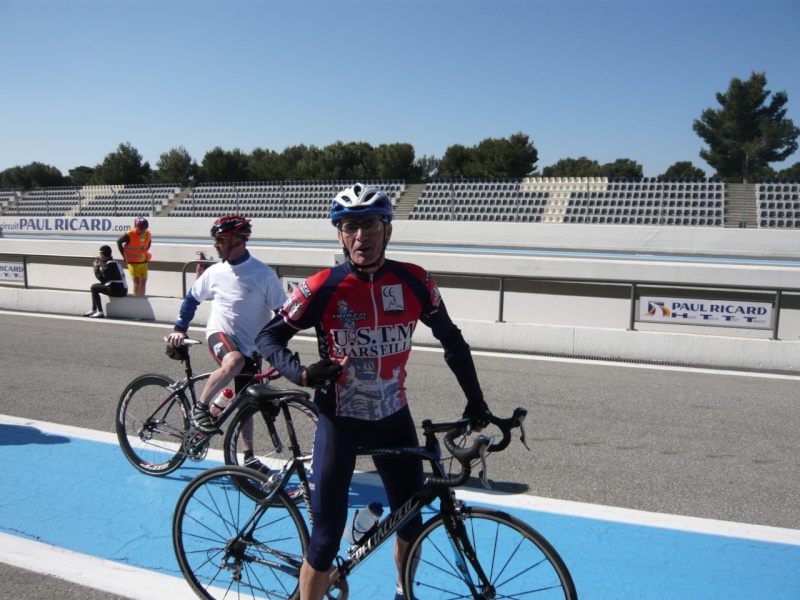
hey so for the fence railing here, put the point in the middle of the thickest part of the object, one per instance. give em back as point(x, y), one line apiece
point(772, 295)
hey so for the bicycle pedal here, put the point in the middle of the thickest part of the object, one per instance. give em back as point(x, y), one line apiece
point(204, 433)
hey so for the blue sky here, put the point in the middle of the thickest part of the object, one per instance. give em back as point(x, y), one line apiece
point(605, 79)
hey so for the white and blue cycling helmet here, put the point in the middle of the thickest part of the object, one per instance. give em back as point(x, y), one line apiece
point(361, 201)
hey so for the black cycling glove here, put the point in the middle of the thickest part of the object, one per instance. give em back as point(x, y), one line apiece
point(477, 411)
point(323, 373)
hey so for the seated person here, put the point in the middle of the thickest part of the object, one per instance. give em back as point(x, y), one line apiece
point(111, 278)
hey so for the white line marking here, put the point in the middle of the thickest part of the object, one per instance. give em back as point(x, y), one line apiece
point(578, 361)
point(97, 573)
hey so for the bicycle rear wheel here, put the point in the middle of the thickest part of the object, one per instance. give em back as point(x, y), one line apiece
point(151, 424)
point(230, 546)
point(516, 560)
point(270, 440)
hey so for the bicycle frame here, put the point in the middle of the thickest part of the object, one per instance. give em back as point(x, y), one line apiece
point(195, 439)
point(381, 531)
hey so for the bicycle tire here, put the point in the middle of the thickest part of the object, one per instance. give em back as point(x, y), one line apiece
point(229, 545)
point(152, 442)
point(304, 419)
point(517, 560)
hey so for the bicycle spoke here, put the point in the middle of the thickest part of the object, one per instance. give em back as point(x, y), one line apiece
point(492, 555)
point(228, 543)
point(151, 423)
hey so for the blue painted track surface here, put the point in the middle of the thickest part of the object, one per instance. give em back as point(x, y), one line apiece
point(82, 495)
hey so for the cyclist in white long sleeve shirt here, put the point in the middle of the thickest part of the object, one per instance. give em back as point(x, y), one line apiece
point(245, 293)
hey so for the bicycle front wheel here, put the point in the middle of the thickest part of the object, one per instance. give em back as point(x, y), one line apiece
point(269, 439)
point(151, 424)
point(491, 555)
point(229, 545)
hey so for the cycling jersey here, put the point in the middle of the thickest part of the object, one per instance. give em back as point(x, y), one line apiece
point(369, 318)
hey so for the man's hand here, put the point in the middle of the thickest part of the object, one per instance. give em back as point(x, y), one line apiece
point(477, 411)
point(175, 339)
point(324, 373)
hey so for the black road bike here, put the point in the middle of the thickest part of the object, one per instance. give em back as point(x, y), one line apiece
point(232, 542)
point(157, 434)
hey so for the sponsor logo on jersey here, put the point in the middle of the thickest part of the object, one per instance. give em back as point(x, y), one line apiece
point(392, 296)
point(366, 342)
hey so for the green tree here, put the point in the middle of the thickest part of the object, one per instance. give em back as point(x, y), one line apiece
point(394, 161)
point(33, 175)
point(81, 175)
point(455, 162)
point(221, 165)
point(684, 170)
point(512, 157)
point(425, 168)
point(304, 163)
point(176, 166)
point(42, 175)
point(492, 157)
point(14, 177)
point(622, 168)
point(121, 167)
point(792, 172)
point(264, 165)
point(354, 160)
point(573, 167)
point(748, 132)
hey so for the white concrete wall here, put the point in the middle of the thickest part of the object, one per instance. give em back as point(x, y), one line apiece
point(591, 325)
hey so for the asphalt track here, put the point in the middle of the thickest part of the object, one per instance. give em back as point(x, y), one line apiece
point(651, 482)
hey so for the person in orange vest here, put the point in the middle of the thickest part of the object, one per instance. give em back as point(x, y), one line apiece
point(134, 247)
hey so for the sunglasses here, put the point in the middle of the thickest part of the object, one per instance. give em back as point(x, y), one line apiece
point(367, 226)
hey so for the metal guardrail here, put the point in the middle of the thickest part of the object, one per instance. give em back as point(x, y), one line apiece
point(776, 293)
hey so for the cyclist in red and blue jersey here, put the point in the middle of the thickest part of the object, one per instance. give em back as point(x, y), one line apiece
point(364, 312)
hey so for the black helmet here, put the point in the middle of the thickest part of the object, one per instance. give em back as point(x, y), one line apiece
point(231, 226)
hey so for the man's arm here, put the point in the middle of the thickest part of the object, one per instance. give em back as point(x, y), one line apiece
point(272, 343)
point(121, 242)
point(186, 313)
point(185, 316)
point(457, 354)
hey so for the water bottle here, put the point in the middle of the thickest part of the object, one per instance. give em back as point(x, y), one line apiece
point(221, 402)
point(362, 522)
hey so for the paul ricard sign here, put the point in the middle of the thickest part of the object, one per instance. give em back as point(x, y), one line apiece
point(12, 272)
point(694, 311)
point(64, 225)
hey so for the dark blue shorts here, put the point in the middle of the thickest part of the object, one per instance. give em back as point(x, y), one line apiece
point(333, 465)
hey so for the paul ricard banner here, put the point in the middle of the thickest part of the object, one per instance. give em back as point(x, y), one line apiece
point(65, 225)
point(698, 311)
point(12, 272)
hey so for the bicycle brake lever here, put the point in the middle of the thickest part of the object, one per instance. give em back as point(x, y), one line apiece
point(522, 436)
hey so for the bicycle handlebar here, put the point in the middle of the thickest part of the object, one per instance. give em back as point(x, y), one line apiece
point(479, 448)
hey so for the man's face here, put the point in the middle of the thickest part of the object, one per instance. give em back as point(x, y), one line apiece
point(228, 248)
point(364, 239)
